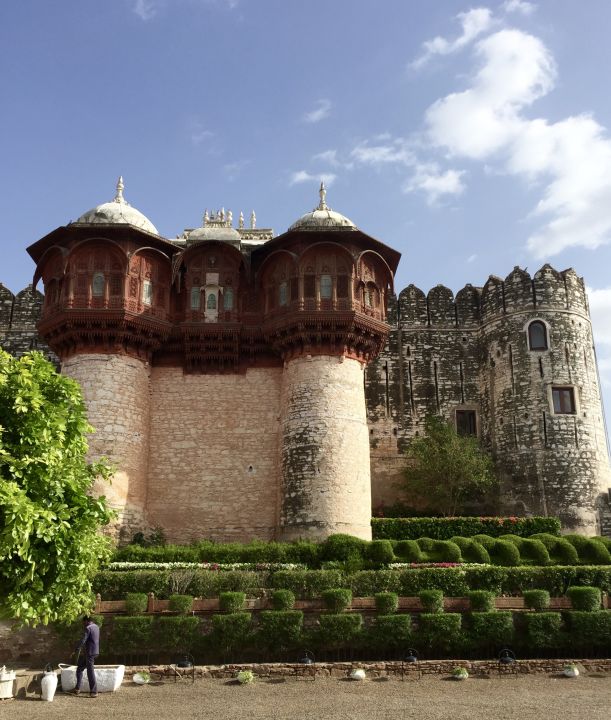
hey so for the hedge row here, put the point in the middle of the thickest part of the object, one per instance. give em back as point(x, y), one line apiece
point(434, 635)
point(310, 584)
point(348, 552)
point(311, 554)
point(445, 528)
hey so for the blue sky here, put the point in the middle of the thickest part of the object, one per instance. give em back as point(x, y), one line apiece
point(472, 138)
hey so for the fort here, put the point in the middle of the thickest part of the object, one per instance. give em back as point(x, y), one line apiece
point(247, 385)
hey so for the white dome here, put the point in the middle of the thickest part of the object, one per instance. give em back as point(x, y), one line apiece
point(323, 218)
point(117, 211)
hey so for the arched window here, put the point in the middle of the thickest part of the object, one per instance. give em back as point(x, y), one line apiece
point(147, 292)
point(97, 285)
point(211, 302)
point(228, 299)
point(283, 294)
point(195, 298)
point(537, 335)
point(326, 287)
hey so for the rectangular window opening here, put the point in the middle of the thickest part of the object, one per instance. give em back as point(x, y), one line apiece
point(466, 422)
point(564, 400)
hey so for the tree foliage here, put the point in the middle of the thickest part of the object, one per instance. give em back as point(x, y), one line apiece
point(50, 547)
point(447, 468)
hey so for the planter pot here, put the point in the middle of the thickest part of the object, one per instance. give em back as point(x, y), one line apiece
point(460, 676)
point(7, 681)
point(108, 677)
point(358, 674)
point(570, 671)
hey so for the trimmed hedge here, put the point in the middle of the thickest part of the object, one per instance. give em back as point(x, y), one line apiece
point(280, 630)
point(432, 601)
point(231, 602)
point(182, 604)
point(380, 552)
point(439, 632)
point(589, 629)
point(445, 528)
point(113, 585)
point(231, 631)
point(309, 584)
point(338, 631)
point(590, 551)
point(487, 630)
point(584, 598)
point(481, 601)
point(283, 600)
point(132, 634)
point(337, 600)
point(536, 599)
point(543, 630)
point(386, 603)
point(439, 550)
point(176, 634)
point(391, 632)
point(207, 551)
point(408, 551)
point(471, 550)
point(136, 603)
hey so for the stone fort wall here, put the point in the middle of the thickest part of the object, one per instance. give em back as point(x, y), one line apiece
point(471, 352)
point(213, 443)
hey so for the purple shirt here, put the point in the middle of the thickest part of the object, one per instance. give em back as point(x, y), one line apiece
point(91, 639)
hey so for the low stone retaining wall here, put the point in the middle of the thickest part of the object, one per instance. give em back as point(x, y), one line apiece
point(381, 668)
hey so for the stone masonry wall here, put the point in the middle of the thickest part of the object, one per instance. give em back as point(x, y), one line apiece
point(116, 390)
point(551, 464)
point(18, 318)
point(326, 485)
point(471, 352)
point(214, 454)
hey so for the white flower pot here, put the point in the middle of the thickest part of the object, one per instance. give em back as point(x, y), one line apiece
point(570, 671)
point(7, 680)
point(358, 674)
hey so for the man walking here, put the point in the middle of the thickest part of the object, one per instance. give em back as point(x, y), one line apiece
point(89, 647)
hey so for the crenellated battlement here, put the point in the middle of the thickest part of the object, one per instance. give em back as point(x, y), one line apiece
point(19, 315)
point(548, 290)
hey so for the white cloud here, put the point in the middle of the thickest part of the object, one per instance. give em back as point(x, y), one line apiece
point(569, 159)
point(435, 183)
point(302, 176)
point(232, 171)
point(472, 258)
point(146, 9)
point(396, 151)
point(600, 312)
point(473, 22)
point(328, 156)
point(322, 110)
point(519, 6)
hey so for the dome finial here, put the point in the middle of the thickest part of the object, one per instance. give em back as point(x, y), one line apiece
point(120, 186)
point(322, 205)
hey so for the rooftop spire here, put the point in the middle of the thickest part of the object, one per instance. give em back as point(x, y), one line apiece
point(120, 186)
point(322, 205)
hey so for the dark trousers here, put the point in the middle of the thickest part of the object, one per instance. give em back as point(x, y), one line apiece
point(86, 661)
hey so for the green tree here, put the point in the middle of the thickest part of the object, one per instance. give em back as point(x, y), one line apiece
point(447, 469)
point(50, 546)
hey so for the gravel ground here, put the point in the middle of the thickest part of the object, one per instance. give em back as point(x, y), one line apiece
point(511, 698)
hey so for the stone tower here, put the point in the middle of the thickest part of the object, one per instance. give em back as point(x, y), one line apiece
point(326, 286)
point(223, 370)
point(513, 363)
